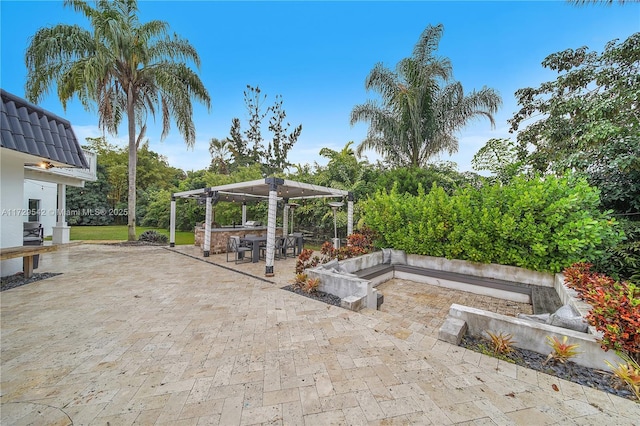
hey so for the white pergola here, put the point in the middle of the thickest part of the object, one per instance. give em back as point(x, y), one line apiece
point(271, 188)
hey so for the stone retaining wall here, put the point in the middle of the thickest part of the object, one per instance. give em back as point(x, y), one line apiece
point(532, 335)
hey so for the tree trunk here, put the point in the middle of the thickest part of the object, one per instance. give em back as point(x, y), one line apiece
point(133, 159)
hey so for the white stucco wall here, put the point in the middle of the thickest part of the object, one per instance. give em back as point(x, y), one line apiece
point(11, 206)
point(47, 193)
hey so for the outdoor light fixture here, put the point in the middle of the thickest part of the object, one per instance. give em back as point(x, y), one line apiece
point(46, 165)
point(335, 205)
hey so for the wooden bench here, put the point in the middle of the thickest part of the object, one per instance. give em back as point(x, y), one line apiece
point(26, 253)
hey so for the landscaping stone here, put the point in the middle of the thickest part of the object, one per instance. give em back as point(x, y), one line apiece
point(567, 317)
point(353, 303)
point(452, 330)
point(541, 318)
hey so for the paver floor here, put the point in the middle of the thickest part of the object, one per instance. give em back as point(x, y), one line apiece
point(147, 335)
point(429, 305)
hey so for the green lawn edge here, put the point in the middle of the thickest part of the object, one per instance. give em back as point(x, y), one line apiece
point(119, 233)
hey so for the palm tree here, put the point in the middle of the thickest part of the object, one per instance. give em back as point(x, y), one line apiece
point(421, 108)
point(220, 152)
point(125, 67)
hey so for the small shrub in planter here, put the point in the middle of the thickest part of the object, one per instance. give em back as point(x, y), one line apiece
point(628, 372)
point(562, 351)
point(300, 280)
point(311, 286)
point(502, 343)
point(152, 236)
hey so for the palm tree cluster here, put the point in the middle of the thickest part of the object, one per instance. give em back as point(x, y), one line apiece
point(125, 67)
point(421, 107)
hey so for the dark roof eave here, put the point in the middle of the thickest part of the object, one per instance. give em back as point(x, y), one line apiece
point(32, 130)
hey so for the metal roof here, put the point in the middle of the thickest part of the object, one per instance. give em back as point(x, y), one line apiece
point(257, 190)
point(29, 129)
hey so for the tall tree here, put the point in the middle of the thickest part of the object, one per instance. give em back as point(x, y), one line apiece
point(588, 119)
point(125, 67)
point(421, 106)
point(282, 140)
point(251, 148)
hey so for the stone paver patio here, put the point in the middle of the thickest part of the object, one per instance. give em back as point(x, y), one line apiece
point(147, 335)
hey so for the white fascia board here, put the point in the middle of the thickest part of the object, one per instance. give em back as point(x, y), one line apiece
point(185, 194)
point(35, 173)
point(320, 190)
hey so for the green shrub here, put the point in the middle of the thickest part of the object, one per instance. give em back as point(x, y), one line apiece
point(545, 223)
point(622, 261)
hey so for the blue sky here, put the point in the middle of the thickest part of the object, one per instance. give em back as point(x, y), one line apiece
point(317, 55)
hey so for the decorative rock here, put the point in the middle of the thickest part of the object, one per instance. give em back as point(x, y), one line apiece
point(567, 317)
point(452, 330)
point(353, 303)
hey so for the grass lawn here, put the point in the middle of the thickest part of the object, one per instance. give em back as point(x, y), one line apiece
point(119, 233)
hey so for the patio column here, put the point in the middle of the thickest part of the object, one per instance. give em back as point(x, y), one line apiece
point(172, 223)
point(244, 212)
point(350, 213)
point(61, 232)
point(271, 222)
point(207, 226)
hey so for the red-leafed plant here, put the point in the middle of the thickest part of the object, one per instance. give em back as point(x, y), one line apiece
point(562, 351)
point(306, 260)
point(357, 244)
point(615, 307)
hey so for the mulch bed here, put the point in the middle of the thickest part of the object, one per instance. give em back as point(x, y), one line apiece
point(327, 298)
point(7, 283)
point(591, 377)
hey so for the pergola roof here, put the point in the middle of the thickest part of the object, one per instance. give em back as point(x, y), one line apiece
point(257, 190)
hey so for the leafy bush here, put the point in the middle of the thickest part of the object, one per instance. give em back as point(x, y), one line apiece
point(615, 308)
point(622, 261)
point(545, 224)
point(153, 236)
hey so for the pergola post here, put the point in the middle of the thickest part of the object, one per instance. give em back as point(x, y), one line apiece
point(350, 199)
point(207, 227)
point(244, 212)
point(172, 223)
point(271, 222)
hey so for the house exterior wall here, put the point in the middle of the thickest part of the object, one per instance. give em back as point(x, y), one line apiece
point(11, 208)
point(46, 192)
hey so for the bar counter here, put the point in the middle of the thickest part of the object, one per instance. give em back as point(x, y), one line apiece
point(219, 236)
